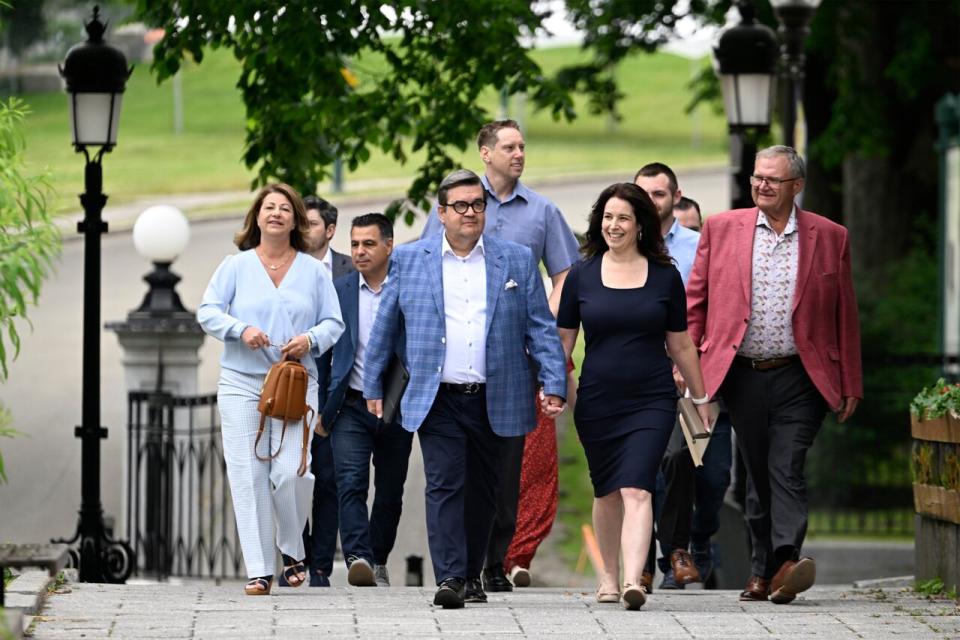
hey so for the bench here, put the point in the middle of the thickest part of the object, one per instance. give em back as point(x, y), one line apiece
point(52, 557)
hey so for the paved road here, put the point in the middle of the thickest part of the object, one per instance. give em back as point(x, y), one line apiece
point(207, 611)
point(43, 393)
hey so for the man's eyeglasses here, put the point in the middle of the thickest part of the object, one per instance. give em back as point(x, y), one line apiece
point(461, 206)
point(773, 182)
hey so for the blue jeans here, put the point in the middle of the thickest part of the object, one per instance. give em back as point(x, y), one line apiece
point(357, 436)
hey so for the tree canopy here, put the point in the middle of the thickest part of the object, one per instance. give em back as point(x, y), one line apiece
point(303, 111)
point(872, 68)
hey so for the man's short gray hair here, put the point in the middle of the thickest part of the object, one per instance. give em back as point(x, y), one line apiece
point(459, 178)
point(797, 167)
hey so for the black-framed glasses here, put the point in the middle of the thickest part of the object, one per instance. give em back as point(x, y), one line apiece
point(460, 206)
point(773, 182)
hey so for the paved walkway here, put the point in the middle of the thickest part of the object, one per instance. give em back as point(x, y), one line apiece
point(207, 611)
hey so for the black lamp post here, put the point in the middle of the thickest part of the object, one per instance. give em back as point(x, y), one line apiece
point(746, 61)
point(794, 17)
point(95, 75)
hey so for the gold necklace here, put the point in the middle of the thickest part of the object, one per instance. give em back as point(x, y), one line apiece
point(274, 267)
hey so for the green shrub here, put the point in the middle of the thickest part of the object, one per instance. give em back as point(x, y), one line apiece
point(936, 400)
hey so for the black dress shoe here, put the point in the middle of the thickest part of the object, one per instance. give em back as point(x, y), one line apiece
point(494, 579)
point(473, 591)
point(449, 594)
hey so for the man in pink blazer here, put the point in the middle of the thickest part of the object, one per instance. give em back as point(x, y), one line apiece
point(772, 309)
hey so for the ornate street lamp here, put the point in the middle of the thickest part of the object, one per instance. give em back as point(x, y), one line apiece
point(745, 59)
point(794, 17)
point(95, 75)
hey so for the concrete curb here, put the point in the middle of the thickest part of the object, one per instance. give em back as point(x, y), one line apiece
point(24, 599)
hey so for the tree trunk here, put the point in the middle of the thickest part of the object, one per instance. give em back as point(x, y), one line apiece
point(879, 228)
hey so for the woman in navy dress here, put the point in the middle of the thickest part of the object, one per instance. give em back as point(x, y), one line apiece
point(629, 298)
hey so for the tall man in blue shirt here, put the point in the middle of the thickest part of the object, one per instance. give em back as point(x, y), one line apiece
point(355, 434)
point(519, 214)
point(682, 483)
point(475, 314)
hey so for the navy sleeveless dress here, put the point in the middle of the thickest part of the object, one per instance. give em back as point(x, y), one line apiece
point(627, 401)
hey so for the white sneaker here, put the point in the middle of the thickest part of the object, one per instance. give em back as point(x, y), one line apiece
point(520, 576)
point(381, 575)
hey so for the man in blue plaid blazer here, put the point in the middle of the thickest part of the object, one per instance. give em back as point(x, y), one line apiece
point(475, 314)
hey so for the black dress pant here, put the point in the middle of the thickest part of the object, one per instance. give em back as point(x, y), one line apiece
point(461, 456)
point(505, 520)
point(776, 415)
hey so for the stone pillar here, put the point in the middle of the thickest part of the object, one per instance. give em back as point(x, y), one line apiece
point(161, 341)
point(149, 342)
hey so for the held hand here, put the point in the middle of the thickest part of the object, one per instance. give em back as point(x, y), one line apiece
point(704, 412)
point(847, 407)
point(678, 380)
point(318, 428)
point(254, 338)
point(375, 407)
point(552, 406)
point(296, 348)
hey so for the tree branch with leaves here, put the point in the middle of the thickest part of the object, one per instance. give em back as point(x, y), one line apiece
point(29, 241)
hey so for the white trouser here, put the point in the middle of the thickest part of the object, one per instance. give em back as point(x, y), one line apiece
point(263, 492)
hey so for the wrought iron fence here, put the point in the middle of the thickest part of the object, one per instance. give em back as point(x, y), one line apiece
point(179, 515)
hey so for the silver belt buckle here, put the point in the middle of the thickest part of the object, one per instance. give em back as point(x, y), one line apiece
point(471, 388)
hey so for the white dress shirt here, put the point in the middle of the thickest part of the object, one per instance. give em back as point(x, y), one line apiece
point(327, 261)
point(369, 304)
point(465, 306)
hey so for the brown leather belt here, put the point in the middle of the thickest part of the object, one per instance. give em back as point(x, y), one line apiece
point(768, 363)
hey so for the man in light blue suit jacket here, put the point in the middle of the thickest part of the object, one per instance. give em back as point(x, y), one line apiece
point(474, 314)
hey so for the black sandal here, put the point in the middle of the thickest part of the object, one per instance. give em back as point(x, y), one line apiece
point(293, 571)
point(259, 586)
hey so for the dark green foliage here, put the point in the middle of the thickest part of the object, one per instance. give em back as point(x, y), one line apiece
point(21, 23)
point(897, 317)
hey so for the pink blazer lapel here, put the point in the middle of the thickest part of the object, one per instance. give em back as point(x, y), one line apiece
point(808, 246)
point(745, 253)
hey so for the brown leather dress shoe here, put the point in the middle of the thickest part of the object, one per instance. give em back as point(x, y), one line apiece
point(684, 571)
point(646, 582)
point(792, 578)
point(757, 590)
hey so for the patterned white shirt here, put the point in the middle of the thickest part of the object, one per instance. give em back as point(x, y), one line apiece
point(773, 282)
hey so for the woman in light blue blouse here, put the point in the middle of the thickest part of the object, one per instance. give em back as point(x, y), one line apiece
point(269, 302)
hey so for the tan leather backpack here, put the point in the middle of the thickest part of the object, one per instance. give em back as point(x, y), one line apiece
point(284, 397)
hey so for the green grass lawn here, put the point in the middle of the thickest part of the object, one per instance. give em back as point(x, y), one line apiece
point(206, 155)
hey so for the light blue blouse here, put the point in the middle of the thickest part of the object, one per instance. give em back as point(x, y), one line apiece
point(241, 295)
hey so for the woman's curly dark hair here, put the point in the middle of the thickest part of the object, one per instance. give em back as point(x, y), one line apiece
point(649, 244)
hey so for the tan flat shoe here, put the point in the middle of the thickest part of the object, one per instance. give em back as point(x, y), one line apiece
point(633, 597)
point(607, 597)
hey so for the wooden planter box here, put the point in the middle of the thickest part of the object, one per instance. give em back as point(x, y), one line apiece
point(937, 537)
point(943, 429)
point(937, 502)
